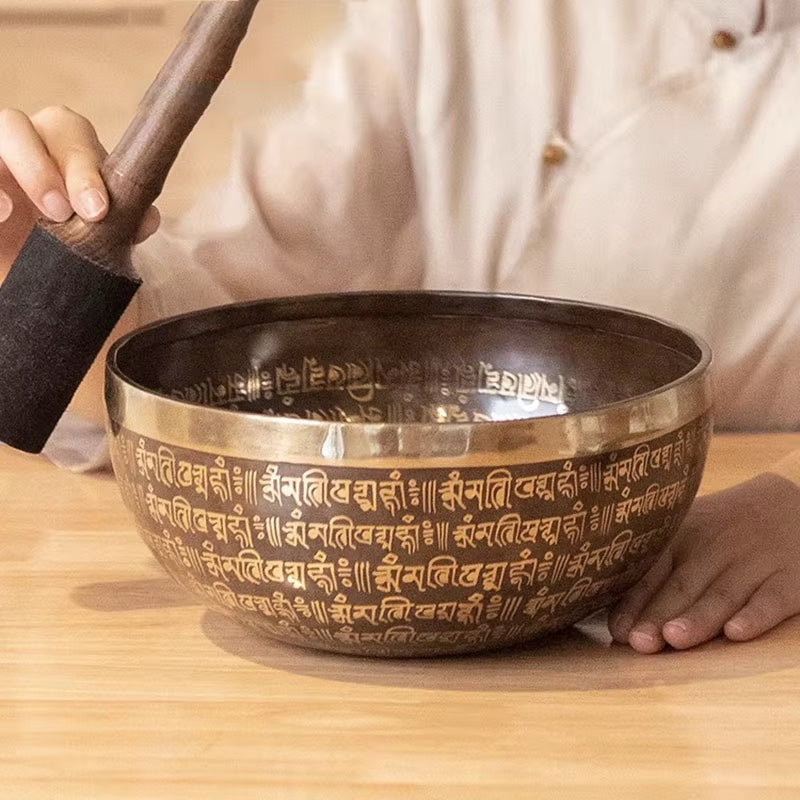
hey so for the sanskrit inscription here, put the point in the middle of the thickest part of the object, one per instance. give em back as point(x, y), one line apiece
point(382, 390)
point(373, 560)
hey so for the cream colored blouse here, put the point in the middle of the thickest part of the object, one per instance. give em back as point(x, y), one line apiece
point(641, 153)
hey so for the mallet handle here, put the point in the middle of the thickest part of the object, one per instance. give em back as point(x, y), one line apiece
point(136, 169)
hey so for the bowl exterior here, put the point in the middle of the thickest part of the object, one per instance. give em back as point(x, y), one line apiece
point(409, 539)
point(405, 560)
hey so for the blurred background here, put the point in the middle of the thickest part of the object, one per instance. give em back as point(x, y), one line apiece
point(99, 56)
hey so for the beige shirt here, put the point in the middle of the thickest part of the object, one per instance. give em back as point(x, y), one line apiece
point(641, 153)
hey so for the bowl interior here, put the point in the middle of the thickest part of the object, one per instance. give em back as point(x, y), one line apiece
point(444, 362)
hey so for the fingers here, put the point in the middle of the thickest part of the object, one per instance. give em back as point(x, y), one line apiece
point(669, 616)
point(706, 618)
point(700, 600)
point(27, 159)
point(150, 224)
point(55, 160)
point(628, 611)
point(681, 605)
point(73, 145)
point(777, 599)
point(678, 593)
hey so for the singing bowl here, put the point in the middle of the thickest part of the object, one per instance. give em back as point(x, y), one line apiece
point(408, 474)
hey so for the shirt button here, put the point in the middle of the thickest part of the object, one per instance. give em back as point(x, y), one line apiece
point(724, 40)
point(553, 154)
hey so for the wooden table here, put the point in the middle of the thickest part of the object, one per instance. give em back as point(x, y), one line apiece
point(114, 684)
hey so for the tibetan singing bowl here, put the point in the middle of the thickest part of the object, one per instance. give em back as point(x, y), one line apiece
point(408, 474)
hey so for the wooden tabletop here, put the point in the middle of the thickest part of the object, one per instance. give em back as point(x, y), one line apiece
point(114, 684)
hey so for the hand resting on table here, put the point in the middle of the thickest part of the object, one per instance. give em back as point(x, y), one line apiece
point(732, 568)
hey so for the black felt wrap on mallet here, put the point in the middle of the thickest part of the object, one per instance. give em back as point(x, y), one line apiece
point(57, 310)
point(71, 282)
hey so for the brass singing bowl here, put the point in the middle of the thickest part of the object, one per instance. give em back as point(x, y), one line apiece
point(408, 474)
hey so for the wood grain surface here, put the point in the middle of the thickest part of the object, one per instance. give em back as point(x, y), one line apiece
point(115, 684)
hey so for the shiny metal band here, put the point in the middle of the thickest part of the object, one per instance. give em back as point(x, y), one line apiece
point(381, 445)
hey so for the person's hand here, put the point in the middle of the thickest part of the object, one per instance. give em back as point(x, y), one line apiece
point(50, 167)
point(732, 568)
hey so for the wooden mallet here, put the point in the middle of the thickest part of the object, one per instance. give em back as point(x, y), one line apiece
point(71, 282)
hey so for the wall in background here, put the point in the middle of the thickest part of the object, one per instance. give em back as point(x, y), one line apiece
point(99, 56)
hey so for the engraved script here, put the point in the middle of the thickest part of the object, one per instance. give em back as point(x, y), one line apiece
point(410, 561)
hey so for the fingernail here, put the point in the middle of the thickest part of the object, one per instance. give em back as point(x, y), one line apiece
point(57, 206)
point(735, 628)
point(644, 636)
point(620, 628)
point(93, 202)
point(680, 625)
point(6, 207)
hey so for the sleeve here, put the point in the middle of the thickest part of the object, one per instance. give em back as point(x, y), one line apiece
point(324, 200)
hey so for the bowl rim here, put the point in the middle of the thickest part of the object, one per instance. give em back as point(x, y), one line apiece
point(248, 434)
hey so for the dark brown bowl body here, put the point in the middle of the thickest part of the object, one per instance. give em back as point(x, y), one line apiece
point(408, 474)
